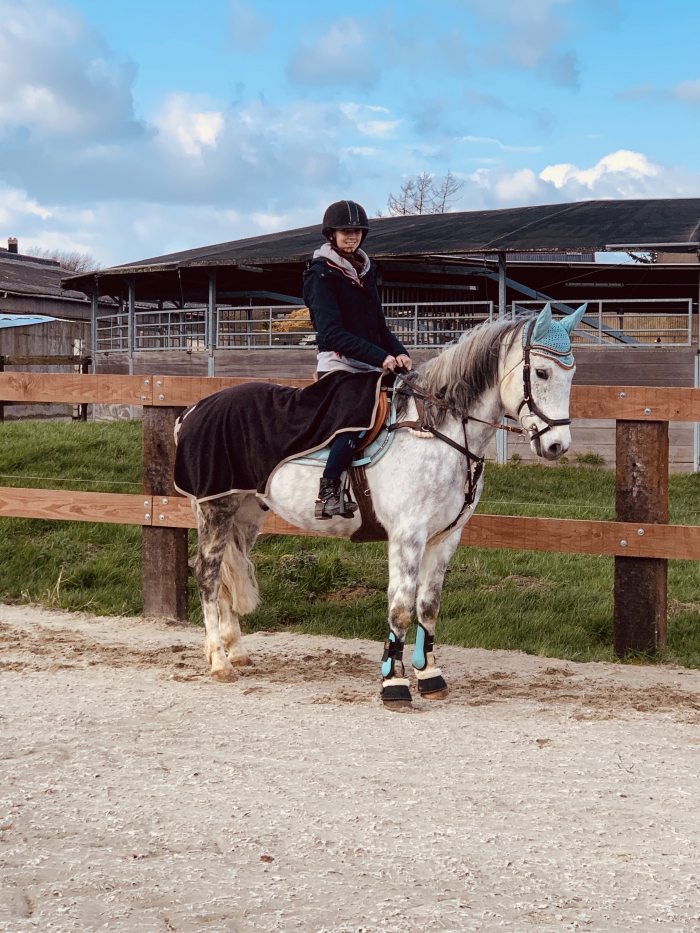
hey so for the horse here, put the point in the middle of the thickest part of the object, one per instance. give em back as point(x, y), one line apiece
point(424, 489)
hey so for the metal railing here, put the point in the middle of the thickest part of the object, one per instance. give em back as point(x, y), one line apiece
point(655, 322)
point(660, 322)
point(421, 324)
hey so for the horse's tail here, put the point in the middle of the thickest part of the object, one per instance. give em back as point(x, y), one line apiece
point(238, 582)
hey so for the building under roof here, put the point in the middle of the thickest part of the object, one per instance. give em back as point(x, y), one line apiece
point(29, 285)
point(271, 263)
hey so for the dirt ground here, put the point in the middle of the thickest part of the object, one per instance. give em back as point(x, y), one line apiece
point(136, 796)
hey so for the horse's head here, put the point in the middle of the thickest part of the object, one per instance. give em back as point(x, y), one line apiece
point(537, 374)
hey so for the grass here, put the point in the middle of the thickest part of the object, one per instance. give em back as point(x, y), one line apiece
point(558, 605)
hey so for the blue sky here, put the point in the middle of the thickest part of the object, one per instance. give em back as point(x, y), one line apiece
point(133, 129)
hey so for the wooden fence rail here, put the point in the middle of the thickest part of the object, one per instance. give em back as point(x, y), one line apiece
point(640, 540)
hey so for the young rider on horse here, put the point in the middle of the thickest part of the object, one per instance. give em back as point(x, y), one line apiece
point(352, 334)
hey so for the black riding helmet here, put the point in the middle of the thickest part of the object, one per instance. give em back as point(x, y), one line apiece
point(344, 215)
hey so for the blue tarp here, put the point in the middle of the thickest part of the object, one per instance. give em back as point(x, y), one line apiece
point(23, 320)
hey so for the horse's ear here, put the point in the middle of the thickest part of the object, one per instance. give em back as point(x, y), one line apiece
point(572, 321)
point(543, 323)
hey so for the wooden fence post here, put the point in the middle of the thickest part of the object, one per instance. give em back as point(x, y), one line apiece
point(164, 549)
point(641, 495)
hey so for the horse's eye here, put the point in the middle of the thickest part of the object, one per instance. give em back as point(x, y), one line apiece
point(542, 374)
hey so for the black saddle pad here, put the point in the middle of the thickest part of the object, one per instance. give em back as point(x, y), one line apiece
point(234, 441)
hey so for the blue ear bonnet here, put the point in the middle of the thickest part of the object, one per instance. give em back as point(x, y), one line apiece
point(556, 343)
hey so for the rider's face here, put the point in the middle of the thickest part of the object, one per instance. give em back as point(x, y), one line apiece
point(348, 239)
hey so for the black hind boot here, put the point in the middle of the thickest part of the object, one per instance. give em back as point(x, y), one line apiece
point(334, 499)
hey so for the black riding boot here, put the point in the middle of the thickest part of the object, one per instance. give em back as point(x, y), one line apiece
point(334, 499)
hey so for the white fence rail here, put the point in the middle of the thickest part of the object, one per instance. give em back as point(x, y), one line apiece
point(665, 322)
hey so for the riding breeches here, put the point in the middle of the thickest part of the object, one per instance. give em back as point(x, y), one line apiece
point(342, 450)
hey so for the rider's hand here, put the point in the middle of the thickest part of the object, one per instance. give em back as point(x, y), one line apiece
point(405, 361)
point(389, 364)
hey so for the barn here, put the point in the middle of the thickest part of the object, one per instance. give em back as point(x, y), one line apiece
point(236, 308)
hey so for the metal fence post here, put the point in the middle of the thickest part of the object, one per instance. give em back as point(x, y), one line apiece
point(502, 446)
point(696, 426)
point(164, 550)
point(94, 308)
point(641, 495)
point(502, 285)
point(131, 325)
point(212, 324)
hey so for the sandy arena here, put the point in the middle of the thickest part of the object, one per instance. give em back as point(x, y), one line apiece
point(136, 796)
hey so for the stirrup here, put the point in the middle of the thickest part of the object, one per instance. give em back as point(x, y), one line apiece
point(334, 499)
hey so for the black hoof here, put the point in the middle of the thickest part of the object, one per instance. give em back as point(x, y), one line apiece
point(396, 696)
point(433, 688)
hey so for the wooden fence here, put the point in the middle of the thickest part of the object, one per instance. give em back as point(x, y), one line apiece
point(640, 540)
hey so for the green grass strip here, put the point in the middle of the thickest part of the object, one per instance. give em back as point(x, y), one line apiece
point(557, 605)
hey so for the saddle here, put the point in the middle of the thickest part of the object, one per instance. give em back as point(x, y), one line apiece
point(380, 420)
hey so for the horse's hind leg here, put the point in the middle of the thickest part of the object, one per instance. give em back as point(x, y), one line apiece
point(238, 592)
point(431, 683)
point(215, 521)
point(405, 554)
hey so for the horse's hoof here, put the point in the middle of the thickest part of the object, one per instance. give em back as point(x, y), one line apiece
point(436, 694)
point(225, 676)
point(433, 688)
point(243, 661)
point(396, 696)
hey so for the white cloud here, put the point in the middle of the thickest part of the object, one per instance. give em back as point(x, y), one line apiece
point(361, 115)
point(623, 166)
point(621, 174)
point(15, 205)
point(520, 187)
point(530, 36)
point(503, 146)
point(688, 92)
point(191, 128)
point(247, 29)
point(343, 55)
point(58, 78)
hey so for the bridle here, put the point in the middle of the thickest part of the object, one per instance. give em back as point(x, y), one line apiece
point(528, 400)
point(475, 465)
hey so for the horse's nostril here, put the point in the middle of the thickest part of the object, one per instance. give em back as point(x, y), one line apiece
point(555, 450)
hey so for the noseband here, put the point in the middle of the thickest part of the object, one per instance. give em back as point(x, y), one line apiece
point(528, 400)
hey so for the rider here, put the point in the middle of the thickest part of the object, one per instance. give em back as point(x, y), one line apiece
point(352, 334)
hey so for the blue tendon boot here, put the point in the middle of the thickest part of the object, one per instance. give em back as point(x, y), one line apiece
point(431, 683)
point(395, 690)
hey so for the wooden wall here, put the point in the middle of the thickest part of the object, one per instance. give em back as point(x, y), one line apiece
point(53, 338)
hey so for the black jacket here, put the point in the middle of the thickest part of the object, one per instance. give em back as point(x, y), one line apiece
point(347, 315)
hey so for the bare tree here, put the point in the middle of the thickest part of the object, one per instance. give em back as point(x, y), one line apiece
point(444, 194)
point(420, 195)
point(72, 261)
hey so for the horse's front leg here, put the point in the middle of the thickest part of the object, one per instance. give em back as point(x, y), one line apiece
point(431, 683)
point(214, 526)
point(405, 554)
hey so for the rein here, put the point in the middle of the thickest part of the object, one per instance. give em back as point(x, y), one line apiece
point(475, 465)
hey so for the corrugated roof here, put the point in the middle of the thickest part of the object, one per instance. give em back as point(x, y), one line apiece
point(23, 275)
point(584, 225)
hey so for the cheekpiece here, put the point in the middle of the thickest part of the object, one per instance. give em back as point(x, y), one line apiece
point(556, 344)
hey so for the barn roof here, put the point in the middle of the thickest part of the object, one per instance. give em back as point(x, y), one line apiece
point(29, 276)
point(583, 225)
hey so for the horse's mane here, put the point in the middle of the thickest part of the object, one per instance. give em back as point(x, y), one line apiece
point(465, 369)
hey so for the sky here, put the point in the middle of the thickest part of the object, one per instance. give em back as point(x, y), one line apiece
point(137, 128)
